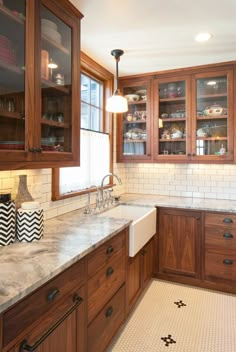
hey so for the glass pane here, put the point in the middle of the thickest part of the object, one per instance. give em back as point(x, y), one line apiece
point(135, 121)
point(12, 75)
point(95, 119)
point(56, 86)
point(95, 94)
point(85, 89)
point(172, 118)
point(211, 115)
point(85, 116)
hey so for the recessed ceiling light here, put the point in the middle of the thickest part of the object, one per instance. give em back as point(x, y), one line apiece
point(203, 37)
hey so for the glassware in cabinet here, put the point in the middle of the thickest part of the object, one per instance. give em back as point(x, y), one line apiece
point(212, 138)
point(12, 78)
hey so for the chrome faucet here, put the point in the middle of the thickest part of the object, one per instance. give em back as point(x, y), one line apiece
point(88, 209)
point(102, 184)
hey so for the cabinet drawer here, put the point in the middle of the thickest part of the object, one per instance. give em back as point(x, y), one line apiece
point(107, 322)
point(225, 219)
point(220, 265)
point(103, 285)
point(49, 296)
point(108, 250)
point(219, 237)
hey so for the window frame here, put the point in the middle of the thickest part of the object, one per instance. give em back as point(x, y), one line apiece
point(95, 71)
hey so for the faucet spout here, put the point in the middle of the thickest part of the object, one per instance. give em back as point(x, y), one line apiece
point(109, 174)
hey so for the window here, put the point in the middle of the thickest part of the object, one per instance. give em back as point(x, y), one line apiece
point(95, 140)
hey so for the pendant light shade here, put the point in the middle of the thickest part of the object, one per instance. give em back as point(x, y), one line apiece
point(117, 103)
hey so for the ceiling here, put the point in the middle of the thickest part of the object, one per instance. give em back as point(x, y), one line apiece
point(157, 35)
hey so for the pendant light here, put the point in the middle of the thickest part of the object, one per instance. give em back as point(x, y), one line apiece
point(117, 103)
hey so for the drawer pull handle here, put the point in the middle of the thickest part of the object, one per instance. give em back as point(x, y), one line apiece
point(110, 249)
point(228, 261)
point(109, 312)
point(53, 294)
point(228, 235)
point(110, 271)
point(227, 220)
point(25, 347)
point(144, 251)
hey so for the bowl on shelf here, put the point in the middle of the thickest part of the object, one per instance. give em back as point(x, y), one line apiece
point(132, 97)
point(214, 110)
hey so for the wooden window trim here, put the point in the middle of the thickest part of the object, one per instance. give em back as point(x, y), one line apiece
point(94, 70)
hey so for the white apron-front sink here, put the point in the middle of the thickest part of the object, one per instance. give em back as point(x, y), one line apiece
point(143, 225)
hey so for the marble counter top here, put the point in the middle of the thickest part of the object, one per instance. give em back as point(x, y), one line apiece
point(67, 238)
point(180, 202)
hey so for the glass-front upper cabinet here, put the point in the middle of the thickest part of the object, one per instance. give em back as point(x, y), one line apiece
point(56, 82)
point(12, 79)
point(171, 118)
point(213, 115)
point(133, 132)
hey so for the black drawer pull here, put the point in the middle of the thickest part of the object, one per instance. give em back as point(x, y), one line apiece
point(227, 220)
point(53, 294)
point(109, 312)
point(228, 261)
point(25, 347)
point(110, 249)
point(228, 235)
point(110, 271)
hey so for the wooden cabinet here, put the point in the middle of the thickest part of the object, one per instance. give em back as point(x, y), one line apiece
point(106, 291)
point(179, 243)
point(39, 84)
point(191, 114)
point(140, 271)
point(220, 250)
point(50, 319)
point(134, 128)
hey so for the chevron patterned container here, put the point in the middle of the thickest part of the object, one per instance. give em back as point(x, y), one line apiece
point(29, 224)
point(7, 222)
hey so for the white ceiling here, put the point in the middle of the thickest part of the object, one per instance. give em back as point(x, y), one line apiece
point(157, 34)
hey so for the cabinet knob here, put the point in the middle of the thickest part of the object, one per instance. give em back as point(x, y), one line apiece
point(227, 261)
point(53, 294)
point(33, 150)
point(194, 154)
point(110, 271)
point(109, 312)
point(110, 249)
point(144, 251)
point(39, 150)
point(228, 235)
point(227, 220)
point(189, 154)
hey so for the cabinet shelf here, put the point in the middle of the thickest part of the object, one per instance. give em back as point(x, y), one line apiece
point(138, 102)
point(134, 141)
point(7, 12)
point(10, 67)
point(212, 138)
point(47, 85)
point(11, 115)
point(172, 140)
point(55, 123)
point(132, 122)
point(212, 96)
point(212, 117)
point(48, 40)
point(173, 119)
point(163, 100)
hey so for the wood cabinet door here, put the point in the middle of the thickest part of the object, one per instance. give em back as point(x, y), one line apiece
point(134, 286)
point(147, 261)
point(179, 242)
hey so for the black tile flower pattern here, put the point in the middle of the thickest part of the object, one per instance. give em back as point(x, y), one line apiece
point(168, 340)
point(180, 304)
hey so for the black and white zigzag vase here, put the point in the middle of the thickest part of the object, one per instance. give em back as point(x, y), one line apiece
point(7, 223)
point(29, 225)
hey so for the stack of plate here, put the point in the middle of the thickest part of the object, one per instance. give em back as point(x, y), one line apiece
point(49, 29)
point(12, 145)
point(6, 51)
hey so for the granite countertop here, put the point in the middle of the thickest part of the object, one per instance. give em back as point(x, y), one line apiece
point(67, 238)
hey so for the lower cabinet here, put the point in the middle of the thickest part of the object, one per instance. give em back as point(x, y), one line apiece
point(179, 244)
point(140, 271)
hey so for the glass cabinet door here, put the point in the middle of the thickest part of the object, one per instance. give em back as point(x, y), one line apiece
point(56, 83)
point(135, 125)
point(171, 118)
point(12, 79)
point(213, 113)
